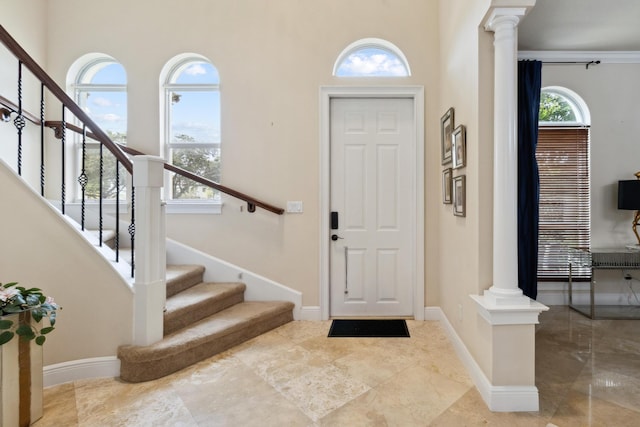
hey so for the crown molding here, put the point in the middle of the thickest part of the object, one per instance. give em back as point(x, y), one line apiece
point(605, 57)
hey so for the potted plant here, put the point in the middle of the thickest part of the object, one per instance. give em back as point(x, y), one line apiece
point(33, 303)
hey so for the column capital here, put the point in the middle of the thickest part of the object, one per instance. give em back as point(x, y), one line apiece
point(504, 15)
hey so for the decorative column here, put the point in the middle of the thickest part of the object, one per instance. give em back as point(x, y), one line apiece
point(506, 330)
point(150, 253)
point(504, 22)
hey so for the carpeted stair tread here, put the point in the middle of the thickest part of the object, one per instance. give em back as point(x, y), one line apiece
point(198, 302)
point(203, 339)
point(181, 277)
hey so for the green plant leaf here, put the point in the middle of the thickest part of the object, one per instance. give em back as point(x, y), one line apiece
point(25, 331)
point(41, 339)
point(37, 315)
point(5, 337)
point(46, 330)
point(6, 324)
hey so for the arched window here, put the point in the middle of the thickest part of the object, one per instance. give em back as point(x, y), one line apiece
point(559, 105)
point(191, 98)
point(371, 58)
point(99, 86)
point(563, 163)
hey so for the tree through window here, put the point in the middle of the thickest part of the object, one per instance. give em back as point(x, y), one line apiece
point(100, 89)
point(192, 126)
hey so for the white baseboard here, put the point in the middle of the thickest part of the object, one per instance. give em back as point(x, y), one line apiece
point(433, 313)
point(497, 398)
point(97, 367)
point(309, 313)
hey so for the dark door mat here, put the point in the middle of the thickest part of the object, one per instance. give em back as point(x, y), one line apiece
point(370, 328)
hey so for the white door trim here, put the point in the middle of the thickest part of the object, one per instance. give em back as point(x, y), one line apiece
point(417, 94)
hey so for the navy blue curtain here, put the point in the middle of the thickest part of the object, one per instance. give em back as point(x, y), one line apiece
point(529, 82)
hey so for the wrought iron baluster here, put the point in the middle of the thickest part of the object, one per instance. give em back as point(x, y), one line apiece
point(100, 195)
point(19, 121)
point(82, 179)
point(42, 139)
point(132, 226)
point(117, 240)
point(63, 143)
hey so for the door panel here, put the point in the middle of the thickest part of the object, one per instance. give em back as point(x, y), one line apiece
point(371, 261)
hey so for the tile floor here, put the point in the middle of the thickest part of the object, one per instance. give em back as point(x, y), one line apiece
point(588, 374)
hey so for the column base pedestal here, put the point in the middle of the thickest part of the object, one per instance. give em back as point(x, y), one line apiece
point(506, 353)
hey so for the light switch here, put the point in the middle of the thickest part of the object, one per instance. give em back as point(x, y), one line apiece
point(294, 207)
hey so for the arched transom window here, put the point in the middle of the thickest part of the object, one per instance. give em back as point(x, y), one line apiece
point(371, 58)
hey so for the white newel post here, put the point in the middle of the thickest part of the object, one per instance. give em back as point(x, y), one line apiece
point(150, 254)
point(508, 317)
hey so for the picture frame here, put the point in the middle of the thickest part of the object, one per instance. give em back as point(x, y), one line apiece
point(459, 191)
point(446, 131)
point(459, 147)
point(446, 186)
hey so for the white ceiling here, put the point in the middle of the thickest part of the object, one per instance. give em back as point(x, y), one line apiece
point(587, 25)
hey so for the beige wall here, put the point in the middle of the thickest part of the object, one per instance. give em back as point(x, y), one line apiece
point(40, 249)
point(32, 37)
point(611, 92)
point(466, 69)
point(272, 57)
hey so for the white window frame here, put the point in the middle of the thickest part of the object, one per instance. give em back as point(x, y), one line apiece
point(77, 72)
point(583, 120)
point(371, 43)
point(187, 206)
point(579, 107)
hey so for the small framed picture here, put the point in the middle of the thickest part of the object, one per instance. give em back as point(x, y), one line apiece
point(446, 130)
point(459, 195)
point(459, 147)
point(446, 186)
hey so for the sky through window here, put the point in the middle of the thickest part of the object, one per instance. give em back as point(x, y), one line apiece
point(372, 61)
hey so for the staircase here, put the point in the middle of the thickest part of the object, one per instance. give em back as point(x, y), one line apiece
point(201, 319)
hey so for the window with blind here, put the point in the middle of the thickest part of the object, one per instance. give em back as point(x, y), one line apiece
point(565, 221)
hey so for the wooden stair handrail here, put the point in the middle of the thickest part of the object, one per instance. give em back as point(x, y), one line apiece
point(22, 56)
point(13, 108)
point(251, 201)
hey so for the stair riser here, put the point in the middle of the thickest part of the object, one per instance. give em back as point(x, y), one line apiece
point(185, 282)
point(192, 314)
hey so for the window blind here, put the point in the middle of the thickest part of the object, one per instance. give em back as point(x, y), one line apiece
point(565, 221)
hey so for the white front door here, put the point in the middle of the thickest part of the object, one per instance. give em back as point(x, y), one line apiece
point(371, 252)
